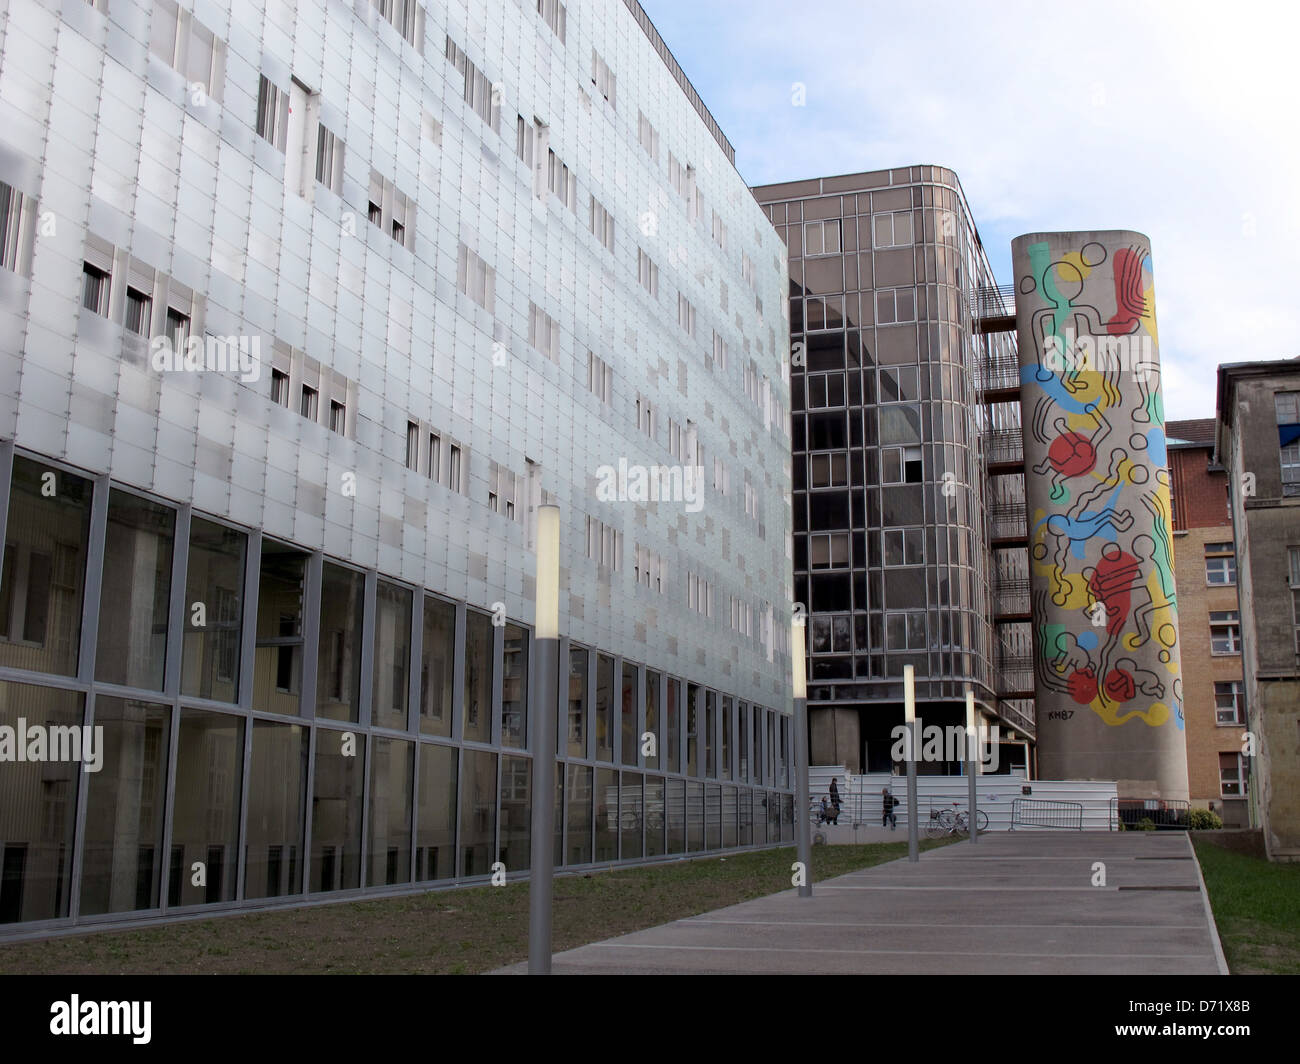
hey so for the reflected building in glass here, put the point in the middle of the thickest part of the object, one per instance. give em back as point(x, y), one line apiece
point(898, 448)
point(292, 347)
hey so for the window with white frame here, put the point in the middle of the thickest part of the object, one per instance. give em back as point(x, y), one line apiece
point(719, 231)
point(407, 17)
point(747, 269)
point(412, 445)
point(1287, 408)
point(645, 416)
point(742, 616)
point(272, 112)
point(16, 232)
point(600, 378)
point(525, 140)
point(647, 273)
point(603, 78)
point(828, 550)
point(503, 492)
point(1229, 706)
point(1225, 632)
point(751, 497)
point(604, 544)
point(1220, 563)
point(543, 333)
point(685, 314)
point(1232, 776)
point(650, 571)
point(476, 279)
point(478, 87)
point(187, 46)
point(555, 15)
point(721, 477)
point(95, 285)
point(456, 469)
point(699, 594)
point(901, 465)
point(329, 160)
point(822, 238)
point(647, 135)
point(892, 230)
point(601, 223)
point(562, 183)
point(828, 470)
point(681, 176)
point(903, 546)
point(719, 351)
point(895, 305)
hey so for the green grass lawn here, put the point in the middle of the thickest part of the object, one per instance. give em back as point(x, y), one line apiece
point(445, 932)
point(1256, 908)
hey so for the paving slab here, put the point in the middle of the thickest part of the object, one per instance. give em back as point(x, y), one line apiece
point(1022, 902)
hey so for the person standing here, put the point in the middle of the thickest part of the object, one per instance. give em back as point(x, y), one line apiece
point(835, 802)
point(887, 803)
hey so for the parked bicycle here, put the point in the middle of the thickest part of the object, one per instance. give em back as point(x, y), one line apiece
point(954, 821)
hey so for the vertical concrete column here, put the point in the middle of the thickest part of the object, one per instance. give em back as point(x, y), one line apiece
point(1107, 677)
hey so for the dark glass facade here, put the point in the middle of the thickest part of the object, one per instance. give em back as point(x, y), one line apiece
point(891, 546)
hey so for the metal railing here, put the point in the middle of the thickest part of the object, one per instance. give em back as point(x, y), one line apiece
point(1165, 814)
point(1046, 813)
point(994, 302)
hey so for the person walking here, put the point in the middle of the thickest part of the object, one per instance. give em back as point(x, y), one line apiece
point(887, 804)
point(835, 802)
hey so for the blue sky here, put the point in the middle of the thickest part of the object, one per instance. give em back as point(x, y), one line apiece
point(1173, 119)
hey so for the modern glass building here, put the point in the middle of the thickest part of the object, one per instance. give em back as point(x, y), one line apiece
point(304, 310)
point(892, 552)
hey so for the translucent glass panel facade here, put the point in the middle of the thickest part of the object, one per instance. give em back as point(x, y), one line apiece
point(291, 617)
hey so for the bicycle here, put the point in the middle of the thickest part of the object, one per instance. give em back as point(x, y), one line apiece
point(947, 822)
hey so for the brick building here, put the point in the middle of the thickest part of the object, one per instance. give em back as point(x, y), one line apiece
point(1205, 569)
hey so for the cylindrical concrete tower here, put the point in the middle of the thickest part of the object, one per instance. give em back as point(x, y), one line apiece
point(1107, 676)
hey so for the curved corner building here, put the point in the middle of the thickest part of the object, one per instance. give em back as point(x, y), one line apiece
point(1109, 692)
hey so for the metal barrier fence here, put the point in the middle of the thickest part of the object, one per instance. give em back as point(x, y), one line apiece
point(1046, 813)
point(1164, 814)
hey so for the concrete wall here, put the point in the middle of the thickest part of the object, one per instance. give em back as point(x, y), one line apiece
point(1107, 672)
point(1201, 496)
point(1266, 523)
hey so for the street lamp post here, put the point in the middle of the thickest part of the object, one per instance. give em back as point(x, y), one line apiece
point(972, 760)
point(909, 715)
point(547, 632)
point(803, 829)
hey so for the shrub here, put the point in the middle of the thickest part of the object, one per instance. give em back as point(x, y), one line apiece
point(1203, 820)
point(1146, 824)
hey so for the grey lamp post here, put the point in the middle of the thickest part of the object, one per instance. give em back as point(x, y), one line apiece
point(547, 633)
point(972, 760)
point(802, 830)
point(909, 715)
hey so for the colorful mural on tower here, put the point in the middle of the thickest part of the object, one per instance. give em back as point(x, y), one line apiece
point(1105, 612)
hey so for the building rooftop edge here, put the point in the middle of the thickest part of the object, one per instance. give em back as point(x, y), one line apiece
point(674, 68)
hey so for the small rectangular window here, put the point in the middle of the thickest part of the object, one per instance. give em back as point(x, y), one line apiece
point(454, 471)
point(272, 112)
point(329, 160)
point(435, 456)
point(94, 289)
point(138, 309)
point(178, 328)
point(279, 387)
point(307, 405)
point(412, 445)
point(338, 417)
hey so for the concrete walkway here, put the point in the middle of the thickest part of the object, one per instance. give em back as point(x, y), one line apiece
point(1012, 903)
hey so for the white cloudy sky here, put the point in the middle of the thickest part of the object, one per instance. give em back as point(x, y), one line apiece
point(1174, 119)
